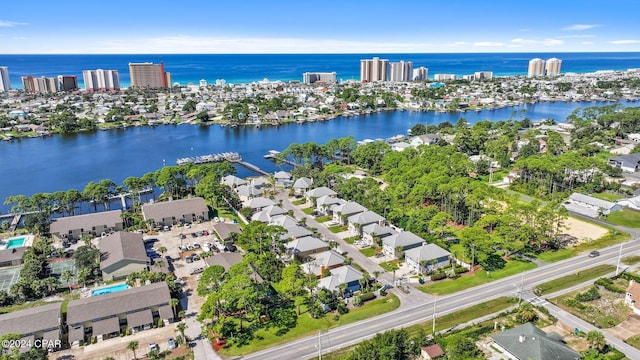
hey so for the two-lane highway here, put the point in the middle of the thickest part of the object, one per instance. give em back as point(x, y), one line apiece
point(343, 336)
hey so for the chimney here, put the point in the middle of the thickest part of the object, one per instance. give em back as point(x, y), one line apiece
point(522, 338)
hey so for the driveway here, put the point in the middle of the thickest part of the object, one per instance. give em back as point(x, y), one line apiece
point(627, 328)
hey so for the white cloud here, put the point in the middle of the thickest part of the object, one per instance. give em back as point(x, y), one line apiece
point(6, 23)
point(584, 36)
point(624, 42)
point(580, 27)
point(532, 42)
point(587, 43)
point(488, 44)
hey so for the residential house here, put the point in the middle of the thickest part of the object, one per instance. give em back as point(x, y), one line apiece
point(357, 221)
point(233, 181)
point(395, 245)
point(227, 260)
point(632, 297)
point(303, 247)
point(342, 275)
point(590, 206)
point(247, 192)
point(35, 323)
point(325, 260)
point(372, 231)
point(259, 182)
point(431, 352)
point(400, 146)
point(342, 212)
point(628, 163)
point(432, 255)
point(302, 185)
point(225, 231)
point(527, 342)
point(295, 232)
point(631, 203)
point(258, 203)
point(72, 228)
point(106, 316)
point(326, 204)
point(318, 192)
point(283, 179)
point(176, 212)
point(121, 254)
point(426, 139)
point(268, 213)
point(12, 257)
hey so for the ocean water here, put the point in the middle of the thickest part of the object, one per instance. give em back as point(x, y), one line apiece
point(244, 68)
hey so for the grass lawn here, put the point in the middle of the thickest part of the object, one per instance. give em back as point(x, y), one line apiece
point(299, 202)
point(634, 341)
point(607, 196)
point(446, 287)
point(226, 213)
point(574, 279)
point(338, 228)
point(369, 251)
point(306, 325)
point(351, 240)
point(625, 217)
point(631, 260)
point(308, 210)
point(614, 237)
point(605, 312)
point(323, 219)
point(390, 265)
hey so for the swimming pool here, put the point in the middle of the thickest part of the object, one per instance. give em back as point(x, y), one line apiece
point(16, 242)
point(109, 289)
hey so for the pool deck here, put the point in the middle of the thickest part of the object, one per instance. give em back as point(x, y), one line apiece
point(28, 241)
point(90, 292)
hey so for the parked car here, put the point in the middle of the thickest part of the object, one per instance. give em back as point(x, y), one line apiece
point(188, 259)
point(230, 247)
point(172, 343)
point(190, 247)
point(196, 245)
point(187, 225)
point(193, 235)
point(200, 233)
point(205, 232)
point(195, 257)
point(154, 347)
point(218, 244)
point(183, 236)
point(166, 228)
point(196, 271)
point(206, 248)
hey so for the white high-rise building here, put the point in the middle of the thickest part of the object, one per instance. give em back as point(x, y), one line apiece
point(5, 84)
point(553, 67)
point(536, 67)
point(483, 75)
point(101, 80)
point(420, 74)
point(373, 69)
point(401, 71)
point(444, 77)
point(323, 77)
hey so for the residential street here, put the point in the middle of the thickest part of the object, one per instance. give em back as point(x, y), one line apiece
point(334, 339)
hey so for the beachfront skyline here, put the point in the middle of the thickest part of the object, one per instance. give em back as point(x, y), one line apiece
point(330, 26)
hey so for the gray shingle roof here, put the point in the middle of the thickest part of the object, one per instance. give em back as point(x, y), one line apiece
point(121, 246)
point(590, 200)
point(342, 275)
point(426, 252)
point(363, 218)
point(224, 230)
point(404, 239)
point(350, 208)
point(175, 208)
point(307, 243)
point(302, 183)
point(527, 342)
point(319, 192)
point(258, 202)
point(31, 320)
point(87, 221)
point(97, 307)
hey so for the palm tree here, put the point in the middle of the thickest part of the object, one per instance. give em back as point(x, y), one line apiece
point(181, 326)
point(174, 304)
point(162, 250)
point(158, 263)
point(66, 276)
point(596, 340)
point(83, 274)
point(133, 345)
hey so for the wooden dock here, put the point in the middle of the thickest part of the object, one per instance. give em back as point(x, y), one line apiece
point(252, 167)
point(203, 159)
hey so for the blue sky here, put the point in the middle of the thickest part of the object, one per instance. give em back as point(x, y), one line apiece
point(308, 26)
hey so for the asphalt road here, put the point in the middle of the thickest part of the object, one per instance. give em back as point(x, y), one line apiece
point(336, 338)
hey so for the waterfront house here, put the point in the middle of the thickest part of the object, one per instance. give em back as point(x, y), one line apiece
point(359, 220)
point(225, 231)
point(400, 146)
point(590, 206)
point(395, 245)
point(342, 275)
point(233, 181)
point(426, 139)
point(431, 255)
point(628, 163)
point(121, 254)
point(302, 185)
point(325, 260)
point(176, 212)
point(303, 247)
point(106, 316)
point(35, 323)
point(72, 228)
point(318, 192)
point(527, 342)
point(283, 179)
point(342, 212)
point(248, 192)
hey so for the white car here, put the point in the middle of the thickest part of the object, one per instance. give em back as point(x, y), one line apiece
point(206, 248)
point(195, 245)
point(187, 225)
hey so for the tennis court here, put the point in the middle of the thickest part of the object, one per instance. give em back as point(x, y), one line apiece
point(8, 277)
point(56, 269)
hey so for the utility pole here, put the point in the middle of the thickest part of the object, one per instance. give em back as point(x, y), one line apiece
point(319, 347)
point(473, 257)
point(619, 257)
point(433, 330)
point(521, 287)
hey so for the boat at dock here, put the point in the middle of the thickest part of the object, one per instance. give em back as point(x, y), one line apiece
point(272, 154)
point(203, 159)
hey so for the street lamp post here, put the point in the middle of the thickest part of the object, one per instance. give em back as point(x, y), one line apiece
point(619, 258)
point(433, 329)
